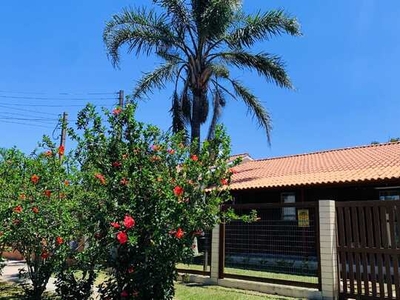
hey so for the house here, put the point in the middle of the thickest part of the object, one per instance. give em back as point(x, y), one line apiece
point(358, 173)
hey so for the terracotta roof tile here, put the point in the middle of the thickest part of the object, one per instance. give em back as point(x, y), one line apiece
point(357, 164)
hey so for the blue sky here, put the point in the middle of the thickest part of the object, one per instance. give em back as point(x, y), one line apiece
point(345, 69)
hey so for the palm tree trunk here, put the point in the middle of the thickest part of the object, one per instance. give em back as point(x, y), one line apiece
point(196, 121)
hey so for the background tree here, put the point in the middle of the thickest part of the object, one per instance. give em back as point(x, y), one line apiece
point(199, 42)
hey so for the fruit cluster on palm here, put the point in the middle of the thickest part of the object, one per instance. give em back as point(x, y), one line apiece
point(200, 42)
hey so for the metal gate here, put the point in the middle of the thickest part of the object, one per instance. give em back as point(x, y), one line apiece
point(368, 247)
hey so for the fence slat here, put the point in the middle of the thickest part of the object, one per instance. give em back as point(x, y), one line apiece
point(356, 241)
point(371, 245)
point(363, 241)
point(342, 244)
point(378, 244)
point(349, 244)
point(385, 244)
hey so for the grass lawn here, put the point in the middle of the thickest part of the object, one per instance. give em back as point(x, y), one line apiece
point(9, 291)
point(202, 292)
point(261, 274)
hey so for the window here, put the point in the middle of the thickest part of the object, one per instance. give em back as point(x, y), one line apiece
point(389, 195)
point(288, 213)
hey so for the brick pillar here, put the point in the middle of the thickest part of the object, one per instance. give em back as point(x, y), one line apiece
point(328, 250)
point(215, 235)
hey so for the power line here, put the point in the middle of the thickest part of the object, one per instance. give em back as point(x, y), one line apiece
point(60, 93)
point(52, 105)
point(26, 124)
point(8, 106)
point(53, 98)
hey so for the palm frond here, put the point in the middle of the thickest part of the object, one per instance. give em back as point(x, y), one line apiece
point(177, 9)
point(214, 17)
point(155, 79)
point(142, 30)
point(270, 66)
point(263, 26)
point(254, 106)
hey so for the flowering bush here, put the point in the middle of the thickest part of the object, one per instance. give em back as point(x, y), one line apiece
point(36, 211)
point(149, 195)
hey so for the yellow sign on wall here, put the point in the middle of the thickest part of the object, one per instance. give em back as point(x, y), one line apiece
point(303, 218)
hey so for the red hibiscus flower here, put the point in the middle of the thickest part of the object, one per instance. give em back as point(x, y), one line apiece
point(34, 179)
point(101, 178)
point(178, 191)
point(194, 157)
point(35, 210)
point(45, 254)
point(59, 240)
point(179, 233)
point(61, 150)
point(47, 193)
point(18, 209)
point(122, 237)
point(224, 181)
point(117, 111)
point(171, 151)
point(48, 153)
point(115, 225)
point(129, 222)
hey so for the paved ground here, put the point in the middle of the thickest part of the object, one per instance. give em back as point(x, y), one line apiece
point(11, 270)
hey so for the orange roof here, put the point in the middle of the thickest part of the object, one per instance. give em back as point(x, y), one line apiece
point(357, 164)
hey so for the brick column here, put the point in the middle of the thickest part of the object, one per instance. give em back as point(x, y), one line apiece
point(328, 250)
point(215, 235)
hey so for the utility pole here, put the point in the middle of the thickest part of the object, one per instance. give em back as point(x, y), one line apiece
point(63, 131)
point(121, 98)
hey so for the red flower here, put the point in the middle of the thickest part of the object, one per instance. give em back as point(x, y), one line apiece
point(18, 209)
point(178, 191)
point(117, 111)
point(61, 150)
point(171, 151)
point(47, 193)
point(122, 237)
point(224, 181)
point(59, 240)
point(116, 164)
point(34, 179)
point(35, 210)
point(101, 178)
point(45, 254)
point(194, 157)
point(131, 270)
point(124, 294)
point(115, 225)
point(129, 222)
point(48, 153)
point(179, 233)
point(124, 181)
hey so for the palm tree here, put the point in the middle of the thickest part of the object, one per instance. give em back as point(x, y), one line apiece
point(199, 42)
